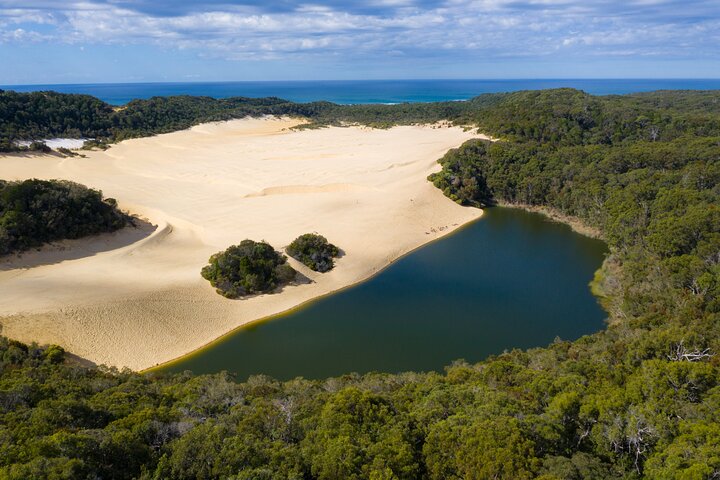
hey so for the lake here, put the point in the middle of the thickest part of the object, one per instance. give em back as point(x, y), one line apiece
point(513, 279)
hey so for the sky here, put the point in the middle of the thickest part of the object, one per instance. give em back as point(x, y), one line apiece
point(94, 41)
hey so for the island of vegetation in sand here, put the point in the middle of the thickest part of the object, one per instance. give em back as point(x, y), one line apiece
point(314, 251)
point(248, 268)
point(637, 400)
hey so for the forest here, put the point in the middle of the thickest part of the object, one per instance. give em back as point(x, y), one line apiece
point(640, 399)
point(41, 115)
point(34, 212)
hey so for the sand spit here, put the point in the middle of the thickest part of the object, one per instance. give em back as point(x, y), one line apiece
point(136, 299)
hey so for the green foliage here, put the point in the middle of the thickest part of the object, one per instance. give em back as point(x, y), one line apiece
point(39, 147)
point(639, 399)
point(38, 115)
point(33, 212)
point(141, 118)
point(461, 178)
point(644, 169)
point(67, 152)
point(559, 117)
point(314, 251)
point(248, 268)
point(564, 117)
point(479, 448)
point(692, 455)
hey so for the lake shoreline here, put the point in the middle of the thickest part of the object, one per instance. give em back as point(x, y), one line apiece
point(146, 304)
point(309, 302)
point(576, 224)
point(510, 280)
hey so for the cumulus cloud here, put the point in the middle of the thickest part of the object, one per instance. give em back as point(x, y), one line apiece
point(274, 29)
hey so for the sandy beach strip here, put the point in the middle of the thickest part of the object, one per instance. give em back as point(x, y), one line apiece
point(135, 298)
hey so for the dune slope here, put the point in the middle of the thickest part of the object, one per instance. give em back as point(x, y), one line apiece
point(138, 299)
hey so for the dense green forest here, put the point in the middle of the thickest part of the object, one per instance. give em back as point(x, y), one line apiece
point(314, 251)
point(248, 268)
point(33, 212)
point(40, 115)
point(640, 399)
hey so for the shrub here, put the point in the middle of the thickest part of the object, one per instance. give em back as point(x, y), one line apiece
point(248, 268)
point(67, 152)
point(314, 251)
point(39, 147)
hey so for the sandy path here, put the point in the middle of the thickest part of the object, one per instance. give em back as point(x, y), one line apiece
point(138, 299)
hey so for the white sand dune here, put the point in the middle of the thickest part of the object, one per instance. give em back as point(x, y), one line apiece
point(136, 298)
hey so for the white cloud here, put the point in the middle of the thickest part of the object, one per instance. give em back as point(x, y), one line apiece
point(488, 28)
point(22, 36)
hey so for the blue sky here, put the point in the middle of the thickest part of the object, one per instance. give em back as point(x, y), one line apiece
point(50, 41)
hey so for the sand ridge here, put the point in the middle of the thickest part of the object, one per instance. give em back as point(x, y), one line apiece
point(136, 299)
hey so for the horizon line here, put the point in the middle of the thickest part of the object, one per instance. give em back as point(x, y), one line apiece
point(373, 80)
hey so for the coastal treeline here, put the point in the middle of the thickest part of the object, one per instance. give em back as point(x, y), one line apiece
point(640, 399)
point(34, 212)
point(41, 115)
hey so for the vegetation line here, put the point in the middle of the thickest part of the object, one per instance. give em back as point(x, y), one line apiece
point(307, 303)
point(576, 224)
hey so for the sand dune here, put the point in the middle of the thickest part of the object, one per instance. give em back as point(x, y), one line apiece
point(300, 189)
point(136, 298)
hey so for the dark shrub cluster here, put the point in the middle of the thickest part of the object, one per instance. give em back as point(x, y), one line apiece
point(314, 251)
point(248, 268)
point(33, 212)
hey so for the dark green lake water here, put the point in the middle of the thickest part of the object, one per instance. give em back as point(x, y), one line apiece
point(512, 279)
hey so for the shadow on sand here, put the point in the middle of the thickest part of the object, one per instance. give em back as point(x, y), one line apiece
point(64, 250)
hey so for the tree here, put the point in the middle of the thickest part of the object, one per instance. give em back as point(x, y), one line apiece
point(314, 251)
point(247, 268)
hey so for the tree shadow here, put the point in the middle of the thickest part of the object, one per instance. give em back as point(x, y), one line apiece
point(75, 249)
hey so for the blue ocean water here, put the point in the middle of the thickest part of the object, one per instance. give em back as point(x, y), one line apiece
point(365, 91)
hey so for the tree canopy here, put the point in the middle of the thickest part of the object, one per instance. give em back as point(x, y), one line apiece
point(34, 212)
point(248, 268)
point(314, 251)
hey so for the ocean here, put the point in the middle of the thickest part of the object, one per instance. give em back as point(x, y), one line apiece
point(365, 91)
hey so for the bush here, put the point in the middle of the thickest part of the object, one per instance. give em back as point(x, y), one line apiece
point(33, 212)
point(248, 268)
point(39, 147)
point(314, 251)
point(67, 152)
